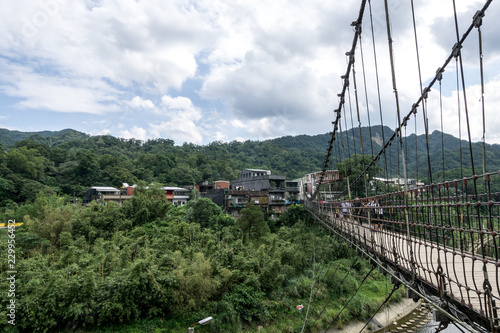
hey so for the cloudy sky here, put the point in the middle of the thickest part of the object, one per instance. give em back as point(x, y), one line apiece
point(204, 70)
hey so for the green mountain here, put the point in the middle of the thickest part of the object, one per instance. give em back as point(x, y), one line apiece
point(52, 138)
point(69, 161)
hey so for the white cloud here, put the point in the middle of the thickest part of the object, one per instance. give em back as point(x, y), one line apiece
point(54, 93)
point(451, 113)
point(182, 125)
point(139, 103)
point(80, 50)
point(135, 132)
point(177, 103)
point(263, 128)
point(271, 68)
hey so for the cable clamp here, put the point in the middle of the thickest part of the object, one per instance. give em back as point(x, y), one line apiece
point(478, 18)
point(456, 50)
point(414, 108)
point(439, 74)
point(425, 94)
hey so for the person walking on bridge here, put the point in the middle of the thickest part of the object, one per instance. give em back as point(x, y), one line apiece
point(378, 214)
point(371, 213)
point(346, 207)
point(357, 210)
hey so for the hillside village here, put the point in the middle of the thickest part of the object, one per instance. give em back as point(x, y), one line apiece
point(273, 193)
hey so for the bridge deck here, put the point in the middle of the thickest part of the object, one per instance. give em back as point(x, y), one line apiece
point(462, 275)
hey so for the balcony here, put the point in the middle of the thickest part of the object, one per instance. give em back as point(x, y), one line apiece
point(115, 197)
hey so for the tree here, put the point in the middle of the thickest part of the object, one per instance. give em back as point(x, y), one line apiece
point(252, 222)
point(353, 167)
point(202, 210)
point(147, 205)
point(26, 161)
point(88, 169)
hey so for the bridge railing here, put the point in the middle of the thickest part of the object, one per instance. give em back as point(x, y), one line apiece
point(438, 238)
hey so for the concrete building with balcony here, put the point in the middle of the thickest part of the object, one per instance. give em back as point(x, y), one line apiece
point(292, 191)
point(180, 196)
point(330, 184)
point(206, 186)
point(106, 193)
point(258, 181)
point(176, 195)
point(263, 180)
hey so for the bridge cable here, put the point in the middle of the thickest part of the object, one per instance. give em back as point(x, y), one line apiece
point(394, 288)
point(397, 131)
point(490, 305)
point(313, 277)
point(365, 178)
point(345, 276)
point(344, 160)
point(419, 292)
point(352, 118)
point(341, 95)
point(419, 76)
point(378, 89)
point(345, 305)
point(358, 31)
point(346, 132)
point(339, 262)
point(464, 93)
point(400, 123)
point(365, 88)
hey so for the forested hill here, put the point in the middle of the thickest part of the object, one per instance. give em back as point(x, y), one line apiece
point(69, 161)
point(52, 138)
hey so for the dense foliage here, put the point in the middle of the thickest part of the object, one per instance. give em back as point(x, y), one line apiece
point(149, 266)
point(68, 162)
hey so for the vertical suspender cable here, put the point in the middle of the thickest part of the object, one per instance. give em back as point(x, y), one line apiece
point(391, 55)
point(366, 90)
point(378, 89)
point(358, 30)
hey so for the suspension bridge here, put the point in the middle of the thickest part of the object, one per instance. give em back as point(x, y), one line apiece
point(437, 232)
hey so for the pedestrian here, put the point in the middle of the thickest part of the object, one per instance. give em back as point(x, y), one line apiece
point(379, 214)
point(357, 210)
point(372, 214)
point(346, 205)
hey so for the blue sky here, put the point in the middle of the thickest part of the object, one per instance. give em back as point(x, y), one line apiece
point(204, 70)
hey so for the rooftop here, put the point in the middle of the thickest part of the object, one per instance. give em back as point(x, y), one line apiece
point(104, 189)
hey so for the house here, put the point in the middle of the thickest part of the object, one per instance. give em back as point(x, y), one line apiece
point(180, 196)
point(106, 193)
point(176, 195)
point(292, 191)
point(400, 182)
point(205, 186)
point(263, 180)
point(330, 184)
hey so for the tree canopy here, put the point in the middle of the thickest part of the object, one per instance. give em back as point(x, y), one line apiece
point(148, 265)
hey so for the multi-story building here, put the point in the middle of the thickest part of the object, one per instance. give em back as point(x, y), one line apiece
point(263, 180)
point(292, 191)
point(205, 186)
point(332, 178)
point(106, 193)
